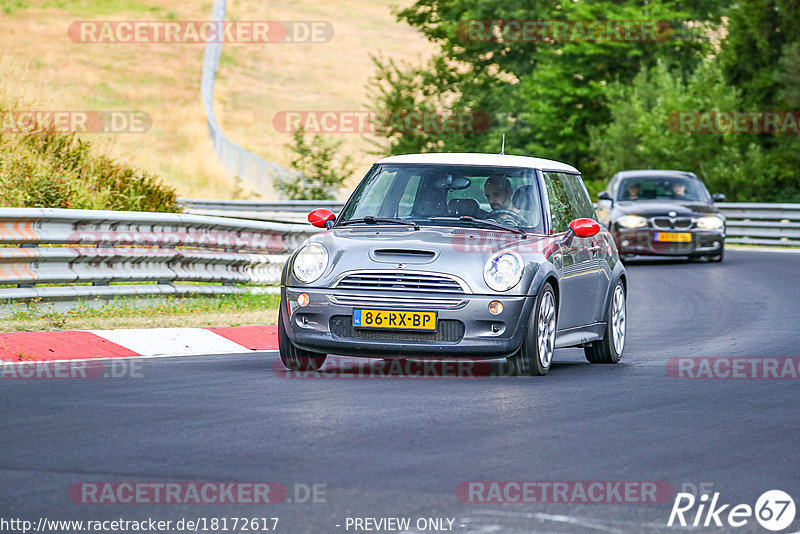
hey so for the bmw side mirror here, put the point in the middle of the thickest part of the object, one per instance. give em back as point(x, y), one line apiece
point(322, 218)
point(603, 195)
point(584, 227)
point(718, 197)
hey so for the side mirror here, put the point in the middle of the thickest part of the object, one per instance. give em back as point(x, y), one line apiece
point(603, 195)
point(322, 218)
point(718, 197)
point(584, 227)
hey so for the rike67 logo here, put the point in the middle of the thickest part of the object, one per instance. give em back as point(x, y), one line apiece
point(774, 510)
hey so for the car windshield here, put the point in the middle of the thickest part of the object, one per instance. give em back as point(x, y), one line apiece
point(662, 188)
point(449, 195)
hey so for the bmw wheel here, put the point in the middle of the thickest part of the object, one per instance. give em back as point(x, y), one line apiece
point(536, 353)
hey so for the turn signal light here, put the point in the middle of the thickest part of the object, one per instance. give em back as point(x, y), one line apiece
point(495, 307)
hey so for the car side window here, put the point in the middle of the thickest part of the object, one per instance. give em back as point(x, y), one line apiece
point(578, 196)
point(562, 211)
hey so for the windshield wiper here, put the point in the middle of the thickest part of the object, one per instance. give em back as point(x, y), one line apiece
point(369, 219)
point(485, 222)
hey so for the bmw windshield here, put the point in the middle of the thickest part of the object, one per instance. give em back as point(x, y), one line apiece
point(458, 195)
point(666, 188)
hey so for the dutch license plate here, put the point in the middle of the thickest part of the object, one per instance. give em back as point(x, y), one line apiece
point(673, 237)
point(394, 319)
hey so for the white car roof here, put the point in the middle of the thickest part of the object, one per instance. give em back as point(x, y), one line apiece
point(495, 160)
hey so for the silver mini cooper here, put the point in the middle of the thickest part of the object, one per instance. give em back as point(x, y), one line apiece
point(456, 256)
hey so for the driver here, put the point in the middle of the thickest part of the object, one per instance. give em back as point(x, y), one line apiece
point(633, 191)
point(498, 192)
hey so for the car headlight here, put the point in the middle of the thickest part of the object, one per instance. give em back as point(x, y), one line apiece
point(709, 222)
point(310, 262)
point(632, 221)
point(503, 270)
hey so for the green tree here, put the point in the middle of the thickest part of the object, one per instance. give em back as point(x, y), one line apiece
point(761, 56)
point(318, 172)
point(543, 95)
point(644, 132)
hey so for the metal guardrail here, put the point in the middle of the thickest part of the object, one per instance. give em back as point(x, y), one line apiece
point(238, 161)
point(287, 211)
point(110, 253)
point(762, 224)
point(105, 253)
point(748, 223)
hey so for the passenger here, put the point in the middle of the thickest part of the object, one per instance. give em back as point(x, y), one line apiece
point(679, 191)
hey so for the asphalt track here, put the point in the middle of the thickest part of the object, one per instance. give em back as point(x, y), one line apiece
point(399, 447)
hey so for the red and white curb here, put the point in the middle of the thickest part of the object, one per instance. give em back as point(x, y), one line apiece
point(128, 343)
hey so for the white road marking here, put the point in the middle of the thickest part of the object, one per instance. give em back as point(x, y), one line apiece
point(170, 341)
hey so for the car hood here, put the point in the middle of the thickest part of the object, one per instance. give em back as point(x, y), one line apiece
point(655, 208)
point(458, 251)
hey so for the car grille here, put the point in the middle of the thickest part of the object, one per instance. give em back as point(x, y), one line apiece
point(398, 301)
point(448, 330)
point(682, 223)
point(400, 281)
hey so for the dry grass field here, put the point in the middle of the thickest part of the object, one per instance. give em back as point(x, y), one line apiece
point(42, 69)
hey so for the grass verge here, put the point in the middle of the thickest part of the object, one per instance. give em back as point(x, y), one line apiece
point(227, 310)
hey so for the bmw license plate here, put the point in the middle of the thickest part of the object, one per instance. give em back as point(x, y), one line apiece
point(672, 237)
point(394, 319)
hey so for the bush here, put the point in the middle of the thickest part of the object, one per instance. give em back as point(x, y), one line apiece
point(642, 135)
point(49, 169)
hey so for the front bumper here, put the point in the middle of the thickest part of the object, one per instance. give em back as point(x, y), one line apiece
point(465, 328)
point(641, 241)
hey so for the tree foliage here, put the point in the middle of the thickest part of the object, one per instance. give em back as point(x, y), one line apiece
point(636, 138)
point(604, 105)
point(318, 172)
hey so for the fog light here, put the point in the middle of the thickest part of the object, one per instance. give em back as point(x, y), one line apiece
point(495, 328)
point(625, 243)
point(303, 299)
point(495, 307)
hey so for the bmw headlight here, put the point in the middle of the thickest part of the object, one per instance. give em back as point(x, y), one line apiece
point(632, 221)
point(709, 222)
point(310, 262)
point(503, 270)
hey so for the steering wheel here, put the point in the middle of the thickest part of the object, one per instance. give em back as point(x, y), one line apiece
point(505, 214)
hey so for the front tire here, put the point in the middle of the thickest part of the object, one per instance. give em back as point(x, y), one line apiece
point(717, 258)
point(609, 349)
point(536, 354)
point(292, 357)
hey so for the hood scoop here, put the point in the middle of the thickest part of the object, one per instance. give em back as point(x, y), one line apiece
point(400, 255)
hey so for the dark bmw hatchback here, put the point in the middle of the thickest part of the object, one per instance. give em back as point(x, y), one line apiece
point(663, 213)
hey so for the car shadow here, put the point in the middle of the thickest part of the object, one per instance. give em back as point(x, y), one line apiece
point(401, 368)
